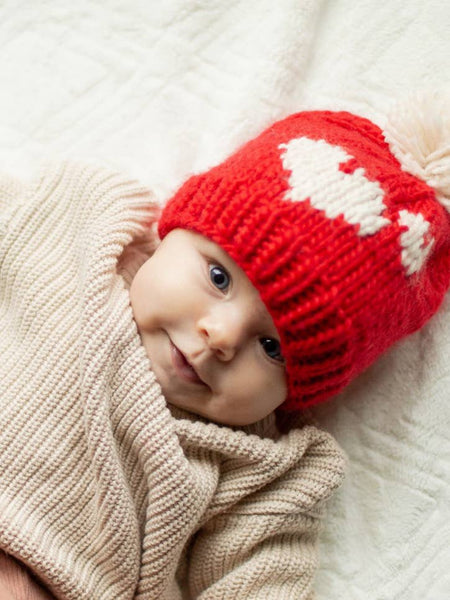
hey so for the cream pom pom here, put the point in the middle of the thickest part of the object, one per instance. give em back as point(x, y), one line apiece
point(418, 133)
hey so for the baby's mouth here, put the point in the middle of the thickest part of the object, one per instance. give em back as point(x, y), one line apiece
point(182, 367)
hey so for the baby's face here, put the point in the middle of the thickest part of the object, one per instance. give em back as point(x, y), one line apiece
point(211, 341)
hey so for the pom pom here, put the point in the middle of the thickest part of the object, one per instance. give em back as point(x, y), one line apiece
point(418, 133)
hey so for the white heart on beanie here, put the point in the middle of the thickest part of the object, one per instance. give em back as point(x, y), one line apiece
point(315, 174)
point(415, 248)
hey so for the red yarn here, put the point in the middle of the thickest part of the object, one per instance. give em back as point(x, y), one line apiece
point(339, 294)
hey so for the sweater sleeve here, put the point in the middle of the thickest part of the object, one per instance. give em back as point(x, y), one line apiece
point(266, 548)
point(264, 557)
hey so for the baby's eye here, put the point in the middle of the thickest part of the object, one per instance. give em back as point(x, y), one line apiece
point(219, 277)
point(272, 348)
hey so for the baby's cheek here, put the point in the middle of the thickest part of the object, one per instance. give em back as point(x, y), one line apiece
point(253, 396)
point(144, 299)
point(273, 390)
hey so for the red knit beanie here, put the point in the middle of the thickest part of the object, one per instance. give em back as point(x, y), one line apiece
point(348, 251)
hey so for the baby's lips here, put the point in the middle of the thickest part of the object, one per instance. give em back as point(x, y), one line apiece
point(184, 367)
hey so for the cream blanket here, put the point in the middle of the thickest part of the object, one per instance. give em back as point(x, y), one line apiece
point(103, 492)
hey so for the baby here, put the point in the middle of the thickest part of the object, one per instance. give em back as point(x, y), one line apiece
point(279, 269)
point(140, 453)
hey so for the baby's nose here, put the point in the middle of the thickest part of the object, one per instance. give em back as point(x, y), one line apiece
point(223, 334)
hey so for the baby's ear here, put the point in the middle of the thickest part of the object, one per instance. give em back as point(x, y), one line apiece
point(137, 253)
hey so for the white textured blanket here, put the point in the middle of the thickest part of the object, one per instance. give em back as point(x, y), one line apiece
point(160, 89)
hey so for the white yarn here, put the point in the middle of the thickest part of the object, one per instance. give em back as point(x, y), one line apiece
point(315, 174)
point(418, 133)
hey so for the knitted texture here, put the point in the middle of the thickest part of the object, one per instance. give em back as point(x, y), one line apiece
point(104, 493)
point(348, 252)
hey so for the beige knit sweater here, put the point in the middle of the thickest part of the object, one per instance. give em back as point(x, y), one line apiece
point(104, 492)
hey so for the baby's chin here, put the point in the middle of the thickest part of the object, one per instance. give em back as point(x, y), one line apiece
point(214, 410)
